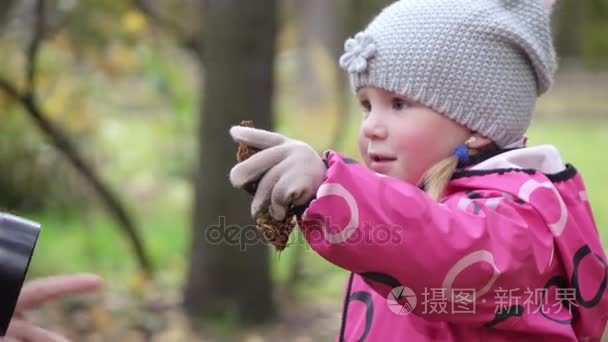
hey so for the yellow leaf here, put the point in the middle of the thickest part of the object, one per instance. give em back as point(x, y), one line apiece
point(102, 319)
point(134, 22)
point(122, 58)
point(138, 283)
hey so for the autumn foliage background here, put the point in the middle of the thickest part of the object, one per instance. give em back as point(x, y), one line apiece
point(123, 83)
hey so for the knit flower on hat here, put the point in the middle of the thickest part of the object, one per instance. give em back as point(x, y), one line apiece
point(358, 51)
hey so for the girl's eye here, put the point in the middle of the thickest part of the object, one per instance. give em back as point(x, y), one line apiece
point(399, 104)
point(366, 106)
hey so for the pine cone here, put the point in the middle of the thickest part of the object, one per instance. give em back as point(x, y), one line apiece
point(275, 232)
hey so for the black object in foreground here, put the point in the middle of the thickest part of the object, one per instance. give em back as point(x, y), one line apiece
point(18, 238)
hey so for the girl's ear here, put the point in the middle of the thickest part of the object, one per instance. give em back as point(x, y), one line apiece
point(549, 4)
point(478, 141)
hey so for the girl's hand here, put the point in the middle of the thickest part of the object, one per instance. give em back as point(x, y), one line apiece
point(36, 293)
point(291, 171)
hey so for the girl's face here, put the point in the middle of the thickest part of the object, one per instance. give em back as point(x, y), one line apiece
point(403, 139)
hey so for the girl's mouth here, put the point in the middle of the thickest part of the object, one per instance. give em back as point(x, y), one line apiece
point(376, 157)
point(381, 164)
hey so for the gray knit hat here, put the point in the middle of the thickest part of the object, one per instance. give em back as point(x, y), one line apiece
point(480, 62)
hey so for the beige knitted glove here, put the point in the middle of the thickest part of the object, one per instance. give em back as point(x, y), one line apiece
point(291, 171)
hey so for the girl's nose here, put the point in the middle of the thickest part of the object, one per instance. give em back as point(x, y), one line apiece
point(373, 127)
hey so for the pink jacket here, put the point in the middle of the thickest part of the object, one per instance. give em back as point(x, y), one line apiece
point(511, 252)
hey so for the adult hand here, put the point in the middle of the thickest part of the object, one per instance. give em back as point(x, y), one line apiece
point(37, 292)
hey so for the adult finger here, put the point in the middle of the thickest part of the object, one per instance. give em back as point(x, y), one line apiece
point(24, 331)
point(39, 291)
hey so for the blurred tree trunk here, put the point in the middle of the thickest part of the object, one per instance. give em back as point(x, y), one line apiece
point(239, 40)
point(354, 16)
point(568, 28)
point(315, 27)
point(5, 7)
point(329, 24)
point(595, 31)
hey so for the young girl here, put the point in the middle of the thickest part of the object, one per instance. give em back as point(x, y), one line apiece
point(455, 231)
